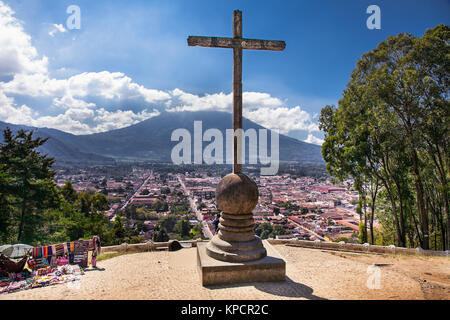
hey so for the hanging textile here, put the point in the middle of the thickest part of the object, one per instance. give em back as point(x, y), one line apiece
point(59, 249)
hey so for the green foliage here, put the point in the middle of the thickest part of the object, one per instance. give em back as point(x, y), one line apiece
point(182, 227)
point(84, 203)
point(266, 230)
point(361, 233)
point(165, 190)
point(118, 230)
point(69, 193)
point(160, 235)
point(29, 188)
point(159, 206)
point(196, 231)
point(32, 210)
point(99, 202)
point(168, 222)
point(181, 206)
point(391, 130)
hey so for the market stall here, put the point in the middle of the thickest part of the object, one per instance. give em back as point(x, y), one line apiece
point(24, 267)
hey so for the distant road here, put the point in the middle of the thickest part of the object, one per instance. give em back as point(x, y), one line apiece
point(136, 191)
point(310, 231)
point(205, 228)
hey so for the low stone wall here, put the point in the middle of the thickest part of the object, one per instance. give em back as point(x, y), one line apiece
point(143, 247)
point(359, 247)
point(353, 247)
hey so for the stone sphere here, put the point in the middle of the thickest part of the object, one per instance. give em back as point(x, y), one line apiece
point(237, 194)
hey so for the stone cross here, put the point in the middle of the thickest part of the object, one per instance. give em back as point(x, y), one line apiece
point(237, 43)
point(237, 194)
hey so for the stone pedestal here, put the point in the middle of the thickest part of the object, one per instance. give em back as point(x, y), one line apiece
point(215, 272)
point(236, 196)
point(235, 253)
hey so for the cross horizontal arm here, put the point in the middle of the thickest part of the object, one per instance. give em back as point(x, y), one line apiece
point(250, 44)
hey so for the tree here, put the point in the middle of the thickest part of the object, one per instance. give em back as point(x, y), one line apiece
point(263, 230)
point(31, 188)
point(182, 227)
point(165, 190)
point(267, 230)
point(391, 129)
point(99, 202)
point(160, 235)
point(168, 222)
point(160, 206)
point(277, 231)
point(69, 193)
point(6, 214)
point(85, 203)
point(118, 231)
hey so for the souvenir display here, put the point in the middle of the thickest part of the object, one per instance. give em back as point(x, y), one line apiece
point(51, 265)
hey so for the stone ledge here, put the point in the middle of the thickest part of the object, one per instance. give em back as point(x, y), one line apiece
point(215, 272)
point(364, 248)
point(145, 247)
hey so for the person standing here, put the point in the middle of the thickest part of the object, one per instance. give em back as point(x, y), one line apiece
point(216, 223)
point(96, 251)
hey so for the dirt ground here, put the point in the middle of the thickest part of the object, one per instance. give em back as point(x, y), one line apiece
point(310, 274)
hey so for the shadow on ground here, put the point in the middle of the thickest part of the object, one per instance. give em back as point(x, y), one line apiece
point(94, 269)
point(288, 288)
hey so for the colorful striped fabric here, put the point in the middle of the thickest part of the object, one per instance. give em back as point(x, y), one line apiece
point(49, 251)
point(35, 252)
point(59, 249)
point(91, 245)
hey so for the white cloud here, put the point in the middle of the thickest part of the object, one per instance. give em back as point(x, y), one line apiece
point(313, 139)
point(73, 95)
point(119, 119)
point(34, 85)
point(17, 55)
point(57, 28)
point(9, 112)
point(282, 118)
point(252, 100)
point(183, 101)
point(73, 119)
point(69, 102)
point(105, 84)
point(64, 122)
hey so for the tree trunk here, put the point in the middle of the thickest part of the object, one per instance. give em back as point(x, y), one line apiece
point(22, 220)
point(423, 216)
point(400, 242)
point(372, 210)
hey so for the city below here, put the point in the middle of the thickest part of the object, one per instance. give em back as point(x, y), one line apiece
point(289, 207)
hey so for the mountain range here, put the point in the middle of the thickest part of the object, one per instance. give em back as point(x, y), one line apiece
point(150, 140)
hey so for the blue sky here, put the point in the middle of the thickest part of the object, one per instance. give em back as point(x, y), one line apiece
point(76, 87)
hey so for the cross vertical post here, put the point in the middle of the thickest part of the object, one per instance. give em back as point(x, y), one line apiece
point(236, 194)
point(237, 43)
point(237, 94)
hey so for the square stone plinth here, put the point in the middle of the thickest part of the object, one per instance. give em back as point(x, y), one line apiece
point(216, 272)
